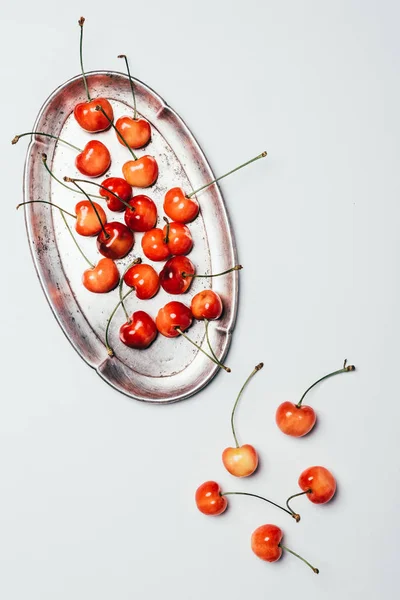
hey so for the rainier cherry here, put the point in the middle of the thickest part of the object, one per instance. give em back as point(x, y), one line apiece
point(206, 305)
point(143, 278)
point(298, 419)
point(241, 461)
point(182, 207)
point(115, 189)
point(136, 131)
point(85, 112)
point(318, 484)
point(140, 172)
point(175, 239)
point(266, 543)
point(92, 161)
point(142, 214)
point(178, 273)
point(154, 245)
point(211, 501)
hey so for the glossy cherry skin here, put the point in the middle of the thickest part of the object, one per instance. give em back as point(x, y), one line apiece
point(142, 172)
point(154, 245)
point(171, 276)
point(103, 278)
point(206, 305)
point(139, 332)
point(265, 542)
point(295, 421)
point(136, 132)
point(180, 240)
point(320, 481)
point(240, 462)
point(120, 187)
point(209, 500)
point(119, 242)
point(172, 316)
point(144, 215)
point(94, 159)
point(91, 119)
point(144, 279)
point(87, 222)
point(179, 207)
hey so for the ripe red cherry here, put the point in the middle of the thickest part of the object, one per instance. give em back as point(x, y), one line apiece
point(241, 461)
point(141, 172)
point(139, 332)
point(85, 112)
point(209, 500)
point(94, 160)
point(175, 277)
point(88, 221)
point(179, 238)
point(298, 419)
point(118, 186)
point(102, 278)
point(143, 217)
point(179, 207)
point(115, 241)
point(266, 543)
point(206, 305)
point(135, 131)
point(154, 245)
point(318, 483)
point(173, 316)
point(144, 279)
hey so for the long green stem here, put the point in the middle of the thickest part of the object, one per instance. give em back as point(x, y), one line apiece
point(206, 322)
point(76, 243)
point(216, 361)
point(254, 371)
point(296, 517)
point(109, 349)
point(49, 135)
point(300, 557)
point(44, 159)
point(102, 187)
point(344, 369)
point(131, 82)
point(226, 174)
point(81, 22)
point(101, 109)
point(193, 275)
point(106, 235)
point(137, 261)
point(47, 202)
point(295, 496)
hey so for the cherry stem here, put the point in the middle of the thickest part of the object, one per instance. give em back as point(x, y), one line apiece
point(44, 159)
point(226, 174)
point(166, 239)
point(81, 22)
point(216, 361)
point(75, 241)
point(47, 202)
point(295, 496)
point(121, 302)
point(235, 268)
point(137, 261)
point(54, 137)
point(254, 371)
point(101, 109)
point(131, 82)
point(296, 517)
point(300, 557)
point(102, 187)
point(106, 235)
point(206, 322)
point(344, 369)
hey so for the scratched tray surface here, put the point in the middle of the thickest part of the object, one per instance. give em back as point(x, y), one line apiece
point(169, 370)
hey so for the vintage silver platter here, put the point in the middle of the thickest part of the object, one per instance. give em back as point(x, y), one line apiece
point(171, 369)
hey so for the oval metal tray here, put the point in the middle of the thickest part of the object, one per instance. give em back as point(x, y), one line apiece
point(171, 369)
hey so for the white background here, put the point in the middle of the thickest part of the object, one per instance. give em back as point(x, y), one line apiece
point(96, 491)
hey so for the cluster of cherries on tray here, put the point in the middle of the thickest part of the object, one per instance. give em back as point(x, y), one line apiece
point(317, 483)
point(115, 240)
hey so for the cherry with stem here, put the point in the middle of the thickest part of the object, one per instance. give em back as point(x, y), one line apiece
point(266, 543)
point(106, 235)
point(101, 187)
point(110, 351)
point(344, 369)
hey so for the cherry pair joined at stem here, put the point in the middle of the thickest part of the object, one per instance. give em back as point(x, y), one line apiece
point(298, 419)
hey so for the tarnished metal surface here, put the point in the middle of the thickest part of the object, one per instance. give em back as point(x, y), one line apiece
point(171, 369)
